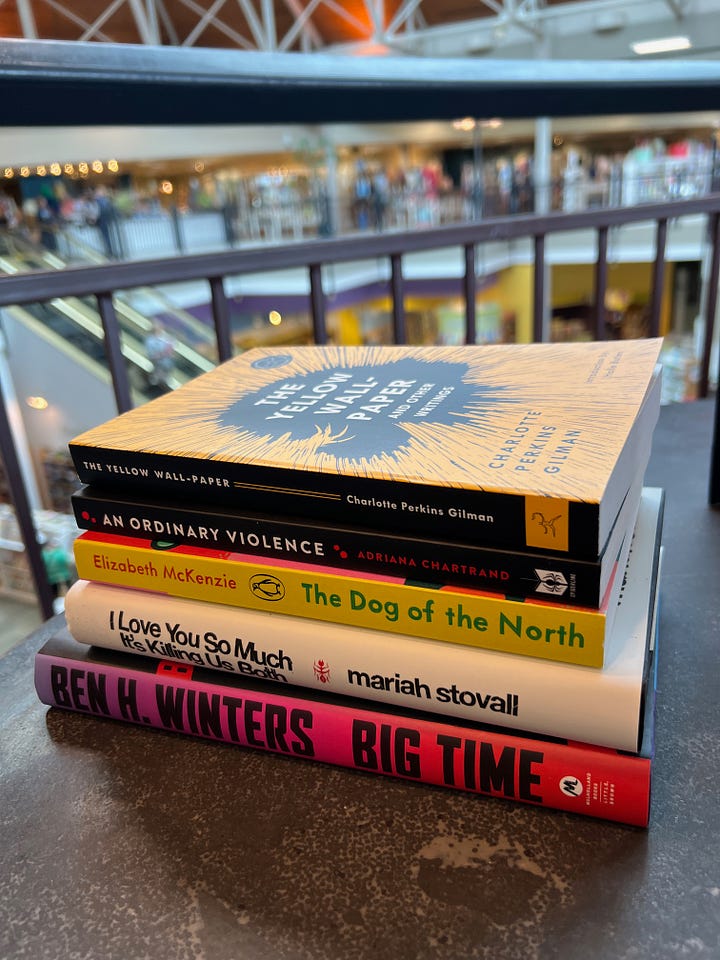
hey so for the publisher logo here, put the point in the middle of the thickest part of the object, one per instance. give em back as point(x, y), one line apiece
point(547, 523)
point(550, 581)
point(267, 587)
point(571, 786)
point(321, 670)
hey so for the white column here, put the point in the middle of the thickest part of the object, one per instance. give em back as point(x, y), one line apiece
point(542, 170)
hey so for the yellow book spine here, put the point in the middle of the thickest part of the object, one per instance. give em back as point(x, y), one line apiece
point(551, 632)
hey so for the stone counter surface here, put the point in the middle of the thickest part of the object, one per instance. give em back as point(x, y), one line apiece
point(122, 843)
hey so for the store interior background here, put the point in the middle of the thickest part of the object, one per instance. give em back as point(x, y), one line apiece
point(184, 190)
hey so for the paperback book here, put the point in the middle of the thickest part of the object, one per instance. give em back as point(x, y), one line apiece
point(393, 605)
point(551, 576)
point(556, 699)
point(527, 446)
point(298, 723)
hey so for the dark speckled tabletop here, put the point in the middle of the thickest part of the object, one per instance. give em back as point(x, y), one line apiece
point(121, 843)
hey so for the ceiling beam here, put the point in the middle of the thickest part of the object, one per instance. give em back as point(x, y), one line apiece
point(108, 12)
point(376, 13)
point(146, 21)
point(223, 28)
point(208, 17)
point(253, 21)
point(268, 15)
point(310, 34)
point(167, 22)
point(73, 18)
point(300, 24)
point(402, 15)
point(27, 20)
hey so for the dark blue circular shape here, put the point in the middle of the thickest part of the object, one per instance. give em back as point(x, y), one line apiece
point(270, 363)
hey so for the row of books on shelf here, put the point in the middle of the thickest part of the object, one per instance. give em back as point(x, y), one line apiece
point(438, 564)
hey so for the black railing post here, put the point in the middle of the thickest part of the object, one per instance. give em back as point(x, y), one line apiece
point(317, 304)
point(221, 318)
point(470, 285)
point(113, 351)
point(710, 311)
point(397, 285)
point(658, 278)
point(539, 290)
point(710, 305)
point(601, 272)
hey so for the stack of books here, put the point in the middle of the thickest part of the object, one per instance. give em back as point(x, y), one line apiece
point(434, 563)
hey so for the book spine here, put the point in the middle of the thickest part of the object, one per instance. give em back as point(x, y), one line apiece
point(552, 577)
point(489, 621)
point(479, 517)
point(571, 777)
point(548, 698)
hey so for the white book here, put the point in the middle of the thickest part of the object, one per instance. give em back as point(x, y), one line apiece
point(562, 700)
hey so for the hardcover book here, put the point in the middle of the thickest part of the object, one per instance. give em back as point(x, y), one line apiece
point(294, 722)
point(389, 604)
point(528, 446)
point(554, 577)
point(556, 699)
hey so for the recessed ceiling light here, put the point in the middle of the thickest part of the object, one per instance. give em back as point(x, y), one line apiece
point(662, 45)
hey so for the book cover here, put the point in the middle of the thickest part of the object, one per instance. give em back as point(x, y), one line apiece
point(388, 604)
point(555, 699)
point(523, 446)
point(550, 576)
point(294, 722)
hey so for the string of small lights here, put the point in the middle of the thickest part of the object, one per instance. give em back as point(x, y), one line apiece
point(78, 170)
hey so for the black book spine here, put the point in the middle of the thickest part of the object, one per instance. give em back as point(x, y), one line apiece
point(476, 517)
point(551, 577)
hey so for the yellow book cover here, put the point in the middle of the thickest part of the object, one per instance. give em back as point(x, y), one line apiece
point(528, 445)
point(392, 604)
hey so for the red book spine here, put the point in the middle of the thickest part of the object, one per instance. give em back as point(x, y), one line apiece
point(563, 775)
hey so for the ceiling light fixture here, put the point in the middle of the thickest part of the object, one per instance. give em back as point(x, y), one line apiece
point(465, 123)
point(662, 45)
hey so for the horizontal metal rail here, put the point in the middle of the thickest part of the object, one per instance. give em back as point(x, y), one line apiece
point(109, 277)
point(73, 84)
point(101, 281)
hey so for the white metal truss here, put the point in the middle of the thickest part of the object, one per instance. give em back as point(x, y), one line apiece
point(408, 27)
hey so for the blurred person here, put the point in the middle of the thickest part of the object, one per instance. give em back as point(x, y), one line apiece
point(363, 196)
point(106, 222)
point(160, 351)
point(47, 222)
point(380, 197)
point(8, 212)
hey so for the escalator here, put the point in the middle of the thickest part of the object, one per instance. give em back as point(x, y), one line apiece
point(74, 322)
